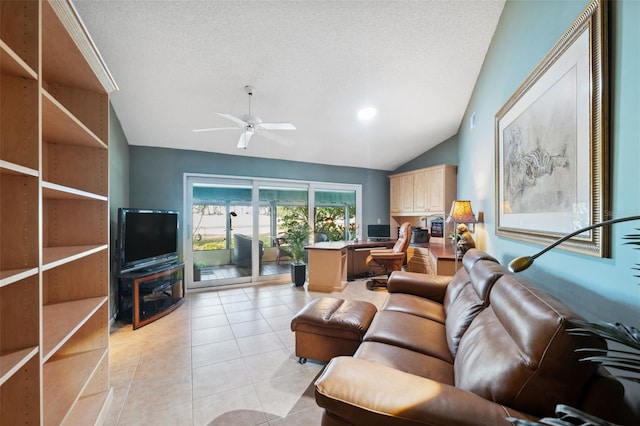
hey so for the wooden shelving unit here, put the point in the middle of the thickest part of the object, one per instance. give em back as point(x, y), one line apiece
point(54, 267)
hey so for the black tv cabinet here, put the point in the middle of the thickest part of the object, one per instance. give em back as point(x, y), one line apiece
point(148, 295)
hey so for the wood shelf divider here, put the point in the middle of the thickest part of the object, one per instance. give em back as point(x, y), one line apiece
point(63, 319)
point(9, 168)
point(13, 65)
point(61, 192)
point(58, 256)
point(59, 125)
point(75, 370)
point(11, 362)
point(11, 276)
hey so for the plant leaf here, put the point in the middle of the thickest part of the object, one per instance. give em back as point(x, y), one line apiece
point(620, 333)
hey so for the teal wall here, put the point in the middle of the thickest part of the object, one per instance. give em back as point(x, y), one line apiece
point(118, 190)
point(153, 168)
point(444, 153)
point(597, 288)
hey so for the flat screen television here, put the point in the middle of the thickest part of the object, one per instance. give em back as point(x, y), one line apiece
point(146, 238)
point(378, 231)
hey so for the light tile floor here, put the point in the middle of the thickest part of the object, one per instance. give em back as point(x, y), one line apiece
point(225, 357)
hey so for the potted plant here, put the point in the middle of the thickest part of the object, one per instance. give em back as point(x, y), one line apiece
point(197, 267)
point(296, 236)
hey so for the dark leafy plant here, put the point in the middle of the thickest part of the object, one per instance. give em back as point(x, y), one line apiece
point(626, 360)
point(634, 239)
point(565, 416)
point(296, 235)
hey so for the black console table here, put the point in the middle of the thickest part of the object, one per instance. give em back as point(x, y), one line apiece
point(148, 295)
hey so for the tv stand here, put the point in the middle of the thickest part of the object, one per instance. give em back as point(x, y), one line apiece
point(150, 294)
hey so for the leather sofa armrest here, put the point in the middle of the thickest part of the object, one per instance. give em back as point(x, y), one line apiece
point(431, 287)
point(358, 391)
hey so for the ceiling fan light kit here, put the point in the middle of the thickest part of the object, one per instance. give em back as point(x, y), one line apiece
point(251, 124)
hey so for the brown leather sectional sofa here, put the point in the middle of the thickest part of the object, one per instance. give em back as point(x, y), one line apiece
point(471, 349)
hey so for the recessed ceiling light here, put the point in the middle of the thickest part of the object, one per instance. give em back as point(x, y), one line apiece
point(367, 113)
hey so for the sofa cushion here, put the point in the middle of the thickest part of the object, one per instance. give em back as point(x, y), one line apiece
point(407, 360)
point(411, 332)
point(432, 287)
point(355, 391)
point(415, 305)
point(517, 352)
point(470, 300)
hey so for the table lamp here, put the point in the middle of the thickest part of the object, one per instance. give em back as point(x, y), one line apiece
point(521, 263)
point(461, 212)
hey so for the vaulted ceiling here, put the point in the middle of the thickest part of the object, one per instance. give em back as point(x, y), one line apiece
point(313, 64)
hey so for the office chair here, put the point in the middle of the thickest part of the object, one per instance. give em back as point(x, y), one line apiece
point(389, 259)
point(320, 237)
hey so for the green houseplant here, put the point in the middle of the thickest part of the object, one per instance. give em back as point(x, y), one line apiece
point(296, 236)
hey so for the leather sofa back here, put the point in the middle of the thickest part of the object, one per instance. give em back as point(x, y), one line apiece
point(462, 278)
point(470, 299)
point(517, 352)
point(466, 295)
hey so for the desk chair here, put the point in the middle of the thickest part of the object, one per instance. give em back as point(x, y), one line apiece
point(320, 237)
point(389, 259)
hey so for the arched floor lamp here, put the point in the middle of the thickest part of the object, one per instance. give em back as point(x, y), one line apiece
point(523, 262)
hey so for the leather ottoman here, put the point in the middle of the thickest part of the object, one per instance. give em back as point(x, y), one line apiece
point(330, 327)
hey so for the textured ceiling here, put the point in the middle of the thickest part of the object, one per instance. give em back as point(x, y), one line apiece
point(313, 63)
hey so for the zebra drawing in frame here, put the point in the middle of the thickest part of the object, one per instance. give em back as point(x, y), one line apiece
point(523, 170)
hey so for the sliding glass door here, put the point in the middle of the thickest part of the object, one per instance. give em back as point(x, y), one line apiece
point(335, 214)
point(234, 228)
point(276, 203)
point(220, 231)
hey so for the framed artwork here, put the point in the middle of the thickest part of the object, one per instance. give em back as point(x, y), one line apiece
point(552, 145)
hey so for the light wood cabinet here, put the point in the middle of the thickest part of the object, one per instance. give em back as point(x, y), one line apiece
point(54, 258)
point(421, 194)
point(424, 192)
point(395, 186)
point(402, 193)
point(428, 190)
point(438, 193)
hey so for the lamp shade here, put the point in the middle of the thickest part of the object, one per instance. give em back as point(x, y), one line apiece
point(461, 212)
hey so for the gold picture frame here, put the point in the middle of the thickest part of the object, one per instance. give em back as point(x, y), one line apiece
point(551, 138)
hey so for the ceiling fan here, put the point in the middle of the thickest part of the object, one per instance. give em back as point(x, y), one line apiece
point(250, 124)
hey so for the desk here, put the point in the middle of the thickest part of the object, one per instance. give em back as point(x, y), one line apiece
point(433, 258)
point(329, 262)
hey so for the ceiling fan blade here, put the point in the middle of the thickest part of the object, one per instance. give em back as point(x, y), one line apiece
point(243, 142)
point(233, 118)
point(277, 126)
point(276, 138)
point(214, 128)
